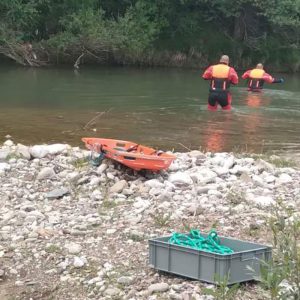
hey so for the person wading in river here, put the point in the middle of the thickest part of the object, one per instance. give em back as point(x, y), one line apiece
point(257, 77)
point(220, 76)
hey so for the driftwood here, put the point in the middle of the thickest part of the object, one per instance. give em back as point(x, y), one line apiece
point(23, 54)
point(77, 62)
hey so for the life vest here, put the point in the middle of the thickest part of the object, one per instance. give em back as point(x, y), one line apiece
point(256, 81)
point(220, 74)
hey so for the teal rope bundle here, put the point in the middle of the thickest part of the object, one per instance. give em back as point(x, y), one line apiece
point(196, 241)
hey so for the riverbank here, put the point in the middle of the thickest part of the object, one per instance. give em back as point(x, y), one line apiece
point(67, 228)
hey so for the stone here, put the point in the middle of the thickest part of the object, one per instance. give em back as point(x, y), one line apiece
point(57, 193)
point(73, 248)
point(112, 292)
point(270, 179)
point(264, 201)
point(8, 143)
point(4, 154)
point(118, 186)
point(2, 273)
point(284, 178)
point(79, 262)
point(262, 165)
point(46, 173)
point(23, 151)
point(4, 166)
point(38, 151)
point(245, 178)
point(101, 168)
point(158, 287)
point(57, 148)
point(180, 178)
point(204, 175)
point(125, 280)
point(228, 162)
point(154, 183)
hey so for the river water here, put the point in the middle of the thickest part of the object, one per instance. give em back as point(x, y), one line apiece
point(163, 108)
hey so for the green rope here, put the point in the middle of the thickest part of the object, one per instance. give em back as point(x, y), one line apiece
point(195, 240)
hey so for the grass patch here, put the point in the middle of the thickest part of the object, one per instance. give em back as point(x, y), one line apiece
point(53, 249)
point(282, 162)
point(80, 163)
point(235, 197)
point(161, 220)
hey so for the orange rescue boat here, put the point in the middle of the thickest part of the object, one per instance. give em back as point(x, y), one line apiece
point(132, 155)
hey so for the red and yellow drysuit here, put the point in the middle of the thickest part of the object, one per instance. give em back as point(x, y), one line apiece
point(220, 76)
point(257, 78)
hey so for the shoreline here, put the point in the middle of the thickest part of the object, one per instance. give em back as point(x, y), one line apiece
point(68, 228)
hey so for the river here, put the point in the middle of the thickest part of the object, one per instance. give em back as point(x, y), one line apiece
point(163, 108)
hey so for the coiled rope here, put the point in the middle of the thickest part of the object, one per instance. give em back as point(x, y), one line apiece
point(195, 240)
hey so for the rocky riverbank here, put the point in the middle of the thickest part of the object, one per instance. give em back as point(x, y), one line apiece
point(69, 230)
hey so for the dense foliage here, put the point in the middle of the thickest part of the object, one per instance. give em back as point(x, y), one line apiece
point(151, 32)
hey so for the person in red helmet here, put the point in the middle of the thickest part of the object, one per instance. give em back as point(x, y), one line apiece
point(257, 77)
point(220, 76)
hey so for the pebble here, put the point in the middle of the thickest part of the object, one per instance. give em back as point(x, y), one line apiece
point(73, 248)
point(158, 287)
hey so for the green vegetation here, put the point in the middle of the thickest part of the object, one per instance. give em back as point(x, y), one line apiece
point(158, 32)
point(223, 291)
point(161, 219)
point(281, 276)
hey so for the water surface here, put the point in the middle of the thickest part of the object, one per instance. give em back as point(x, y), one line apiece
point(164, 108)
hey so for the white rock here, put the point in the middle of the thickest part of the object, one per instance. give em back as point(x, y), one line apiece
point(204, 175)
point(101, 169)
point(73, 248)
point(228, 163)
point(46, 173)
point(8, 143)
point(158, 287)
point(221, 171)
point(154, 183)
point(39, 151)
point(57, 148)
point(270, 179)
point(284, 178)
point(264, 201)
point(23, 151)
point(4, 166)
point(258, 180)
point(118, 186)
point(125, 280)
point(79, 262)
point(4, 154)
point(180, 178)
point(112, 292)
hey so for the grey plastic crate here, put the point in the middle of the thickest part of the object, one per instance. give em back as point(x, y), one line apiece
point(204, 266)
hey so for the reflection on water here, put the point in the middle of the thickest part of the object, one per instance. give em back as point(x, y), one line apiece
point(162, 108)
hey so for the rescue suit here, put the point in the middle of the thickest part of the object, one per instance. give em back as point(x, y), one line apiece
point(220, 76)
point(257, 78)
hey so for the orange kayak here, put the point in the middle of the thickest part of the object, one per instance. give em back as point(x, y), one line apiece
point(132, 155)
